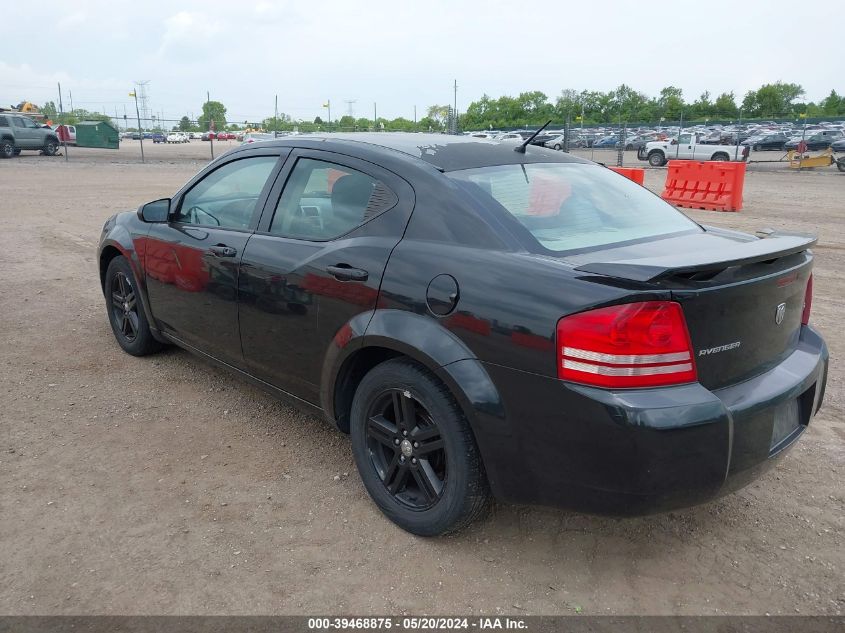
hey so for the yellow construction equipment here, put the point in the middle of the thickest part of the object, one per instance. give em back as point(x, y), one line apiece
point(797, 160)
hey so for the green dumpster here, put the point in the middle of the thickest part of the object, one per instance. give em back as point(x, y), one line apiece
point(96, 134)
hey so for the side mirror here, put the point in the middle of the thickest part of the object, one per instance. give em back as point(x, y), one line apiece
point(156, 211)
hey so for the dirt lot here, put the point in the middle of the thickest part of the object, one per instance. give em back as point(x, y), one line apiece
point(162, 485)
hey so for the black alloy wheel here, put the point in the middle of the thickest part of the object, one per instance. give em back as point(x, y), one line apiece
point(124, 306)
point(415, 450)
point(406, 449)
point(7, 148)
point(126, 311)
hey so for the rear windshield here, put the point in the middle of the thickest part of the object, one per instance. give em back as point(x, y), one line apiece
point(575, 206)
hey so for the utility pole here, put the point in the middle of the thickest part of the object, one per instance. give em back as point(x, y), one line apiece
point(62, 113)
point(455, 110)
point(134, 93)
point(210, 123)
point(70, 92)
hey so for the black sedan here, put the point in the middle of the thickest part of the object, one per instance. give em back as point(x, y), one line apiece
point(482, 321)
point(814, 142)
point(766, 142)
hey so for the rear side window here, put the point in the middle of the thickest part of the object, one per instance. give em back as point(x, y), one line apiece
point(575, 206)
point(322, 201)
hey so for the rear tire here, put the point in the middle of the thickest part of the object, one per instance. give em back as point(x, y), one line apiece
point(656, 159)
point(721, 156)
point(7, 149)
point(126, 312)
point(840, 164)
point(415, 451)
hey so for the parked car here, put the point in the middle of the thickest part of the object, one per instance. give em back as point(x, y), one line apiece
point(197, 136)
point(158, 137)
point(399, 285)
point(510, 136)
point(252, 137)
point(19, 132)
point(766, 142)
point(838, 145)
point(687, 147)
point(208, 136)
point(820, 140)
point(176, 137)
point(634, 142)
point(556, 142)
point(66, 133)
point(608, 142)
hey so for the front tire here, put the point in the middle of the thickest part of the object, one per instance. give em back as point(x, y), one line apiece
point(126, 314)
point(656, 159)
point(415, 451)
point(557, 146)
point(50, 147)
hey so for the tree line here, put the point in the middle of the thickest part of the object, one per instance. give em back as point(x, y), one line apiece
point(623, 105)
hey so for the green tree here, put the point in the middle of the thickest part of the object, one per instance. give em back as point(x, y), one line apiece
point(439, 114)
point(833, 104)
point(347, 122)
point(318, 121)
point(212, 112)
point(671, 102)
point(725, 106)
point(185, 124)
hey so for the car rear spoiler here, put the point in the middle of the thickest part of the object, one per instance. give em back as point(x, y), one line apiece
point(721, 256)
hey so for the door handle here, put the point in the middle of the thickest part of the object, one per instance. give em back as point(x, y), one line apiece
point(221, 250)
point(345, 272)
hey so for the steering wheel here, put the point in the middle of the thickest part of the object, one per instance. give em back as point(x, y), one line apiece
point(194, 216)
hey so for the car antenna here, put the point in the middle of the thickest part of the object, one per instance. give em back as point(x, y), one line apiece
point(521, 147)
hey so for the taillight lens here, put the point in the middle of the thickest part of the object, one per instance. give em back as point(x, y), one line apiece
point(644, 344)
point(808, 301)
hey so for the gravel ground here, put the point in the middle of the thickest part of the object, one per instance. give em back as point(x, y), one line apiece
point(165, 486)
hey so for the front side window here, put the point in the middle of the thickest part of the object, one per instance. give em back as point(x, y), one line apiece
point(322, 201)
point(573, 206)
point(227, 196)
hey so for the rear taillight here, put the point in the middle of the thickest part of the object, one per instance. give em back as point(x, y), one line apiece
point(808, 301)
point(643, 344)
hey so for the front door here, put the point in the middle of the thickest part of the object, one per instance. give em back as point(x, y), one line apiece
point(26, 133)
point(315, 262)
point(191, 262)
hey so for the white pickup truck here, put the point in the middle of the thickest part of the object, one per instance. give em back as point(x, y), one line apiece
point(688, 147)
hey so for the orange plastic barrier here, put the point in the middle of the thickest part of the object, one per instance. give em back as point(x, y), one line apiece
point(637, 174)
point(712, 185)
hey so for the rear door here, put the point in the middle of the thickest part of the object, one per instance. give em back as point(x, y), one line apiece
point(315, 262)
point(191, 262)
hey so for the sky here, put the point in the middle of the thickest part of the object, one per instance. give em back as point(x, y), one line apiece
point(398, 54)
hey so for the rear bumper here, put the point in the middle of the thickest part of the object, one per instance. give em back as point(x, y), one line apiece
point(642, 451)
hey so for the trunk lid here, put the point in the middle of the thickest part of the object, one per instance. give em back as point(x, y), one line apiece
point(742, 296)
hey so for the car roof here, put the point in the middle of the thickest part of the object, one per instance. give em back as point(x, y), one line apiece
point(445, 152)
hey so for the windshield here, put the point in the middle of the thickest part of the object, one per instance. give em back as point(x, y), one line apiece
point(575, 206)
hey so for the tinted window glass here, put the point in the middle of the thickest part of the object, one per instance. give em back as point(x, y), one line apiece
point(568, 207)
point(17, 122)
point(322, 201)
point(227, 196)
point(4, 122)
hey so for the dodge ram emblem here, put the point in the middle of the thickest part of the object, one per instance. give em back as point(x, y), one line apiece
point(780, 313)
